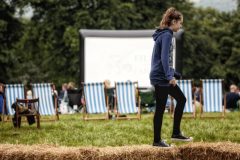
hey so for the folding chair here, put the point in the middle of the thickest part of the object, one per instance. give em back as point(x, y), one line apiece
point(126, 99)
point(186, 88)
point(32, 107)
point(12, 92)
point(211, 97)
point(95, 101)
point(74, 96)
point(47, 98)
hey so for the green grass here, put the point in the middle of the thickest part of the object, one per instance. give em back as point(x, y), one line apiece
point(71, 130)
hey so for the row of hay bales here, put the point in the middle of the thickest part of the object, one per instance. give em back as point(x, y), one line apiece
point(194, 151)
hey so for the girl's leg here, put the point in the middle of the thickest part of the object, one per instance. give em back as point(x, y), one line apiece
point(177, 94)
point(161, 93)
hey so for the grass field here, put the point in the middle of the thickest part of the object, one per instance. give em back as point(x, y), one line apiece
point(71, 130)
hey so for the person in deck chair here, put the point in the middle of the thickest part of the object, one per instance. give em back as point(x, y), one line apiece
point(232, 98)
point(162, 76)
point(1, 100)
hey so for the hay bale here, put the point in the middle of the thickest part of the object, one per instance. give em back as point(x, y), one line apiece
point(210, 151)
point(37, 152)
point(138, 153)
point(193, 151)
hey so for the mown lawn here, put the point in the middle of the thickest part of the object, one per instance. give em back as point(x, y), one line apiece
point(71, 130)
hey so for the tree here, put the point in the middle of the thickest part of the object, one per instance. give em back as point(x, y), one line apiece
point(50, 44)
point(46, 47)
point(10, 32)
point(210, 40)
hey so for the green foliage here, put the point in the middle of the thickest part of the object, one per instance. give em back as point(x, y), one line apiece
point(211, 38)
point(10, 32)
point(71, 130)
point(46, 47)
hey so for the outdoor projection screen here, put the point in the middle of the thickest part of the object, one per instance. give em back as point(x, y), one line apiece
point(117, 55)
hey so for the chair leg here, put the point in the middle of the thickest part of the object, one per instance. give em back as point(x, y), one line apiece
point(17, 120)
point(38, 121)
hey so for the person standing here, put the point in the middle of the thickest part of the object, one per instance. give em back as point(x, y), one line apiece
point(162, 76)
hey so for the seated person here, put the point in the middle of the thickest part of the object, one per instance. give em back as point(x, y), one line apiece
point(62, 92)
point(110, 94)
point(29, 94)
point(1, 100)
point(196, 93)
point(74, 97)
point(232, 98)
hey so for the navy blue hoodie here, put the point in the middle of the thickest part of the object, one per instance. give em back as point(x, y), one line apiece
point(161, 70)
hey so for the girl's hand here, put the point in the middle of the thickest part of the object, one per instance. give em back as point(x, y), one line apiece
point(173, 82)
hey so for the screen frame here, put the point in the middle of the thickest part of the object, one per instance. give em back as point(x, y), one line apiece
point(84, 33)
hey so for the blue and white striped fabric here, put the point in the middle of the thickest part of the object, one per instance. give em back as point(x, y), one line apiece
point(44, 92)
point(95, 98)
point(212, 95)
point(12, 92)
point(126, 97)
point(186, 88)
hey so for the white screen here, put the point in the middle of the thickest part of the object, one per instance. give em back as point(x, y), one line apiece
point(118, 59)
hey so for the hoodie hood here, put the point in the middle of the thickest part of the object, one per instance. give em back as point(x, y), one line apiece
point(158, 32)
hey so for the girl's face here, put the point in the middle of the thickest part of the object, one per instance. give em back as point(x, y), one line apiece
point(176, 25)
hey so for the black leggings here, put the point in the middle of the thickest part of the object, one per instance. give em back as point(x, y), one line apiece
point(161, 95)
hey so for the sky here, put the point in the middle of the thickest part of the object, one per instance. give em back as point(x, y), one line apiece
point(221, 5)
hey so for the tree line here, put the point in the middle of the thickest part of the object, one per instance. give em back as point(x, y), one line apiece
point(45, 48)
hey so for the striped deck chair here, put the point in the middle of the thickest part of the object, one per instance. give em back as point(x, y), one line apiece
point(95, 101)
point(47, 101)
point(211, 97)
point(186, 88)
point(12, 92)
point(126, 99)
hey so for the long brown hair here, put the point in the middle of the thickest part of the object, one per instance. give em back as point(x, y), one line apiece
point(168, 16)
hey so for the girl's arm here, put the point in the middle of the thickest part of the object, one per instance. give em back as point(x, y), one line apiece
point(166, 43)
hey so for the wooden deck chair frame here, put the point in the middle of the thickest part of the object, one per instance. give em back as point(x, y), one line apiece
point(189, 103)
point(56, 117)
point(34, 106)
point(222, 115)
point(118, 114)
point(89, 103)
point(8, 106)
